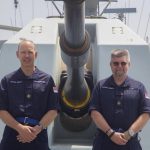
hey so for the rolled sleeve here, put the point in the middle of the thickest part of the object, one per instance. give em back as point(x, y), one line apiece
point(145, 100)
point(53, 102)
point(3, 95)
point(95, 99)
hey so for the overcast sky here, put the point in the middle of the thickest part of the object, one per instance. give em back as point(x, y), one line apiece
point(29, 9)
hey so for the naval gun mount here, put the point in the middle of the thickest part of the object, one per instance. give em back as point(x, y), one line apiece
point(75, 83)
point(74, 126)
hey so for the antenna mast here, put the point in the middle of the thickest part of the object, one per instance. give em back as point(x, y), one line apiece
point(16, 6)
point(16, 3)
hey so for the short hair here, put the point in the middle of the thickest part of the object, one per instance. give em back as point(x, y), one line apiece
point(120, 53)
point(22, 40)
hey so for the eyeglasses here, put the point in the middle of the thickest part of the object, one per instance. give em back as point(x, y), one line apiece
point(121, 63)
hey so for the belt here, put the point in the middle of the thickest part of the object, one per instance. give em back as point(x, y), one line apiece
point(27, 120)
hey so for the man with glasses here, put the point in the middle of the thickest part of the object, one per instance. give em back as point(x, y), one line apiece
point(120, 107)
point(28, 103)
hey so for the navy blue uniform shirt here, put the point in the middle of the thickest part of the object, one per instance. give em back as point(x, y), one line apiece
point(120, 106)
point(27, 96)
point(24, 96)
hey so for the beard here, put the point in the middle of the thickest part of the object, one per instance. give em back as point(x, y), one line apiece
point(119, 74)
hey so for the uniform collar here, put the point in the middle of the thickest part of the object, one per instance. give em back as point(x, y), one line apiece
point(21, 74)
point(125, 84)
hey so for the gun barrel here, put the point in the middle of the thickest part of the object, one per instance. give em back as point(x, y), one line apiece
point(74, 23)
point(75, 44)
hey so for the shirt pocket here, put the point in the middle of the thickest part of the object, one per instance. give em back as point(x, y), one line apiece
point(16, 91)
point(39, 86)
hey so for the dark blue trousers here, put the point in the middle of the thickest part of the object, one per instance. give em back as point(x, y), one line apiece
point(9, 141)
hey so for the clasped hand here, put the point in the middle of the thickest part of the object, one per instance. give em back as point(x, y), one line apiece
point(27, 133)
point(120, 138)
